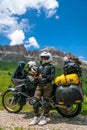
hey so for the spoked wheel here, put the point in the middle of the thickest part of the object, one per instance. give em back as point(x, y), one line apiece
point(9, 103)
point(70, 111)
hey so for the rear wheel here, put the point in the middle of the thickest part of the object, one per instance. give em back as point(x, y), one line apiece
point(9, 103)
point(70, 111)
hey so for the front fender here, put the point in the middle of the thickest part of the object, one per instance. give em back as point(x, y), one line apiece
point(11, 89)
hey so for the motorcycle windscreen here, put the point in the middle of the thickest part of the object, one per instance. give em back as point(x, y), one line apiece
point(68, 95)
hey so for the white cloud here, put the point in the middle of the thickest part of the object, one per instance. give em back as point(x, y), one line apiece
point(20, 7)
point(57, 17)
point(17, 37)
point(7, 20)
point(10, 22)
point(49, 6)
point(10, 10)
point(32, 42)
point(13, 7)
point(81, 57)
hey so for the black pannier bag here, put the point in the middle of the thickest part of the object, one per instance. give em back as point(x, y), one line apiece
point(71, 68)
point(72, 94)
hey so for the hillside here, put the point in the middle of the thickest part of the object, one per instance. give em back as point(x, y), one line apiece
point(19, 52)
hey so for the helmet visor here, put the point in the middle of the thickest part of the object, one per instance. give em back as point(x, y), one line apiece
point(44, 57)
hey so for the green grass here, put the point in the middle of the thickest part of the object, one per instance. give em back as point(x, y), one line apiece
point(21, 128)
point(16, 128)
point(5, 79)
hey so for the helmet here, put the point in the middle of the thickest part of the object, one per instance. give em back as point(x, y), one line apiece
point(66, 60)
point(31, 64)
point(48, 57)
point(21, 64)
point(34, 69)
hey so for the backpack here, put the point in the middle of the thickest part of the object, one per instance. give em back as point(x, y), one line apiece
point(71, 68)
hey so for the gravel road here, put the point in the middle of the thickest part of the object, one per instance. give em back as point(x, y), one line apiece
point(9, 121)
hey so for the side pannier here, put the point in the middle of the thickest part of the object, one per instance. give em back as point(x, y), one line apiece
point(69, 95)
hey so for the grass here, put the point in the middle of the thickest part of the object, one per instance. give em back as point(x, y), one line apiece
point(21, 128)
point(16, 128)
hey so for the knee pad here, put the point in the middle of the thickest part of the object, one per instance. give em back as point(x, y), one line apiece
point(35, 102)
point(46, 106)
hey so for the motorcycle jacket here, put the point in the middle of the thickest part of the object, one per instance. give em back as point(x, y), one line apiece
point(47, 71)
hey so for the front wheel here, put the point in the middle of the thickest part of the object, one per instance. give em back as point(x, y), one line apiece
point(9, 103)
point(70, 111)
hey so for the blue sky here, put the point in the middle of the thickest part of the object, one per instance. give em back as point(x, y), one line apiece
point(37, 24)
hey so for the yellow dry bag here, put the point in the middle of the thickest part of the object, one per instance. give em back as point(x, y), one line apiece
point(67, 79)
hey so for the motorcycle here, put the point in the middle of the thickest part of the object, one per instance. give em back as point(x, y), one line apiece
point(65, 99)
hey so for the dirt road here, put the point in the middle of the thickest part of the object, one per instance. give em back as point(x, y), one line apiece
point(9, 121)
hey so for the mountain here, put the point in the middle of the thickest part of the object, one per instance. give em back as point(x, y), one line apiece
point(13, 49)
point(12, 53)
point(19, 52)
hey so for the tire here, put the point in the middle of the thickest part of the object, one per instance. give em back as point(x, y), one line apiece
point(9, 104)
point(70, 111)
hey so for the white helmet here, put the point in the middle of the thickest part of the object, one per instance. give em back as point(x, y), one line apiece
point(34, 69)
point(48, 57)
point(31, 64)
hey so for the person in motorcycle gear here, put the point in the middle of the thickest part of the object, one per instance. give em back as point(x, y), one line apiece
point(20, 73)
point(46, 73)
point(72, 65)
point(21, 64)
point(66, 60)
point(73, 59)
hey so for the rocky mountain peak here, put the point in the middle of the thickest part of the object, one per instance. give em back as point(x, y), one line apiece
point(19, 52)
point(20, 49)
